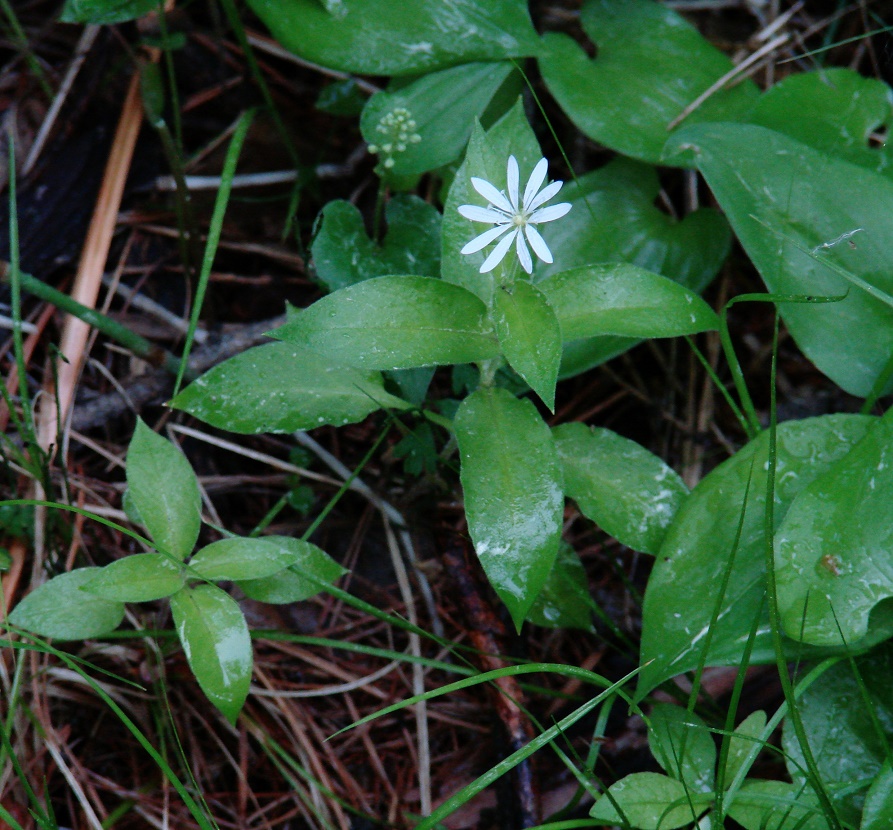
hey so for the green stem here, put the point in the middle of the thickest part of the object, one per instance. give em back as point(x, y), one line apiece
point(110, 328)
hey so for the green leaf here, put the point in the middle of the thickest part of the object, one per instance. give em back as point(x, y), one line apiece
point(442, 107)
point(164, 491)
point(800, 214)
point(681, 743)
point(343, 254)
point(878, 811)
point(396, 323)
point(379, 37)
point(834, 111)
point(776, 805)
point(627, 490)
point(279, 387)
point(241, 558)
point(649, 801)
point(61, 610)
point(830, 548)
point(741, 743)
point(513, 499)
point(614, 219)
point(530, 337)
point(651, 65)
point(486, 158)
point(842, 729)
point(564, 600)
point(217, 645)
point(293, 584)
point(140, 577)
point(700, 547)
point(105, 12)
point(619, 298)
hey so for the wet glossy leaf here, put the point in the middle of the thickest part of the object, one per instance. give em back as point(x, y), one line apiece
point(877, 813)
point(241, 558)
point(217, 645)
point(140, 577)
point(379, 37)
point(164, 490)
point(443, 106)
point(513, 498)
point(777, 805)
point(280, 387)
point(700, 546)
point(794, 210)
point(564, 601)
point(627, 490)
point(105, 12)
point(832, 545)
point(486, 158)
point(294, 584)
point(529, 337)
point(833, 110)
point(681, 743)
point(396, 323)
point(619, 298)
point(649, 801)
point(651, 65)
point(614, 219)
point(842, 733)
point(62, 610)
point(343, 254)
point(746, 735)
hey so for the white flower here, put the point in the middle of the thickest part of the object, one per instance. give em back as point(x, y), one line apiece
point(514, 220)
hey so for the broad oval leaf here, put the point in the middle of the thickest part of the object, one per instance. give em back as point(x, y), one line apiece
point(298, 582)
point(105, 12)
point(833, 110)
point(625, 489)
point(530, 337)
point(701, 548)
point(651, 66)
point(164, 490)
point(241, 558)
point(849, 725)
point(513, 496)
point(777, 805)
point(742, 742)
point(833, 550)
point(649, 801)
point(486, 158)
point(217, 645)
point(443, 106)
point(62, 610)
point(810, 223)
point(683, 745)
point(396, 323)
point(380, 37)
point(343, 254)
point(280, 387)
point(623, 299)
point(877, 813)
point(140, 577)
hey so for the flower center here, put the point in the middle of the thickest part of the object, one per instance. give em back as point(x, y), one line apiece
point(519, 219)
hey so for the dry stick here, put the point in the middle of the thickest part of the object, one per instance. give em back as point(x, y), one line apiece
point(487, 633)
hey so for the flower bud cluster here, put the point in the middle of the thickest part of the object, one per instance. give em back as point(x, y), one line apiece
point(398, 129)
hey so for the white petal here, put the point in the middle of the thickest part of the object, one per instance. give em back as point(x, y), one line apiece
point(545, 194)
point(550, 213)
point(498, 252)
point(537, 177)
point(540, 248)
point(491, 194)
point(485, 239)
point(524, 254)
point(480, 214)
point(512, 176)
